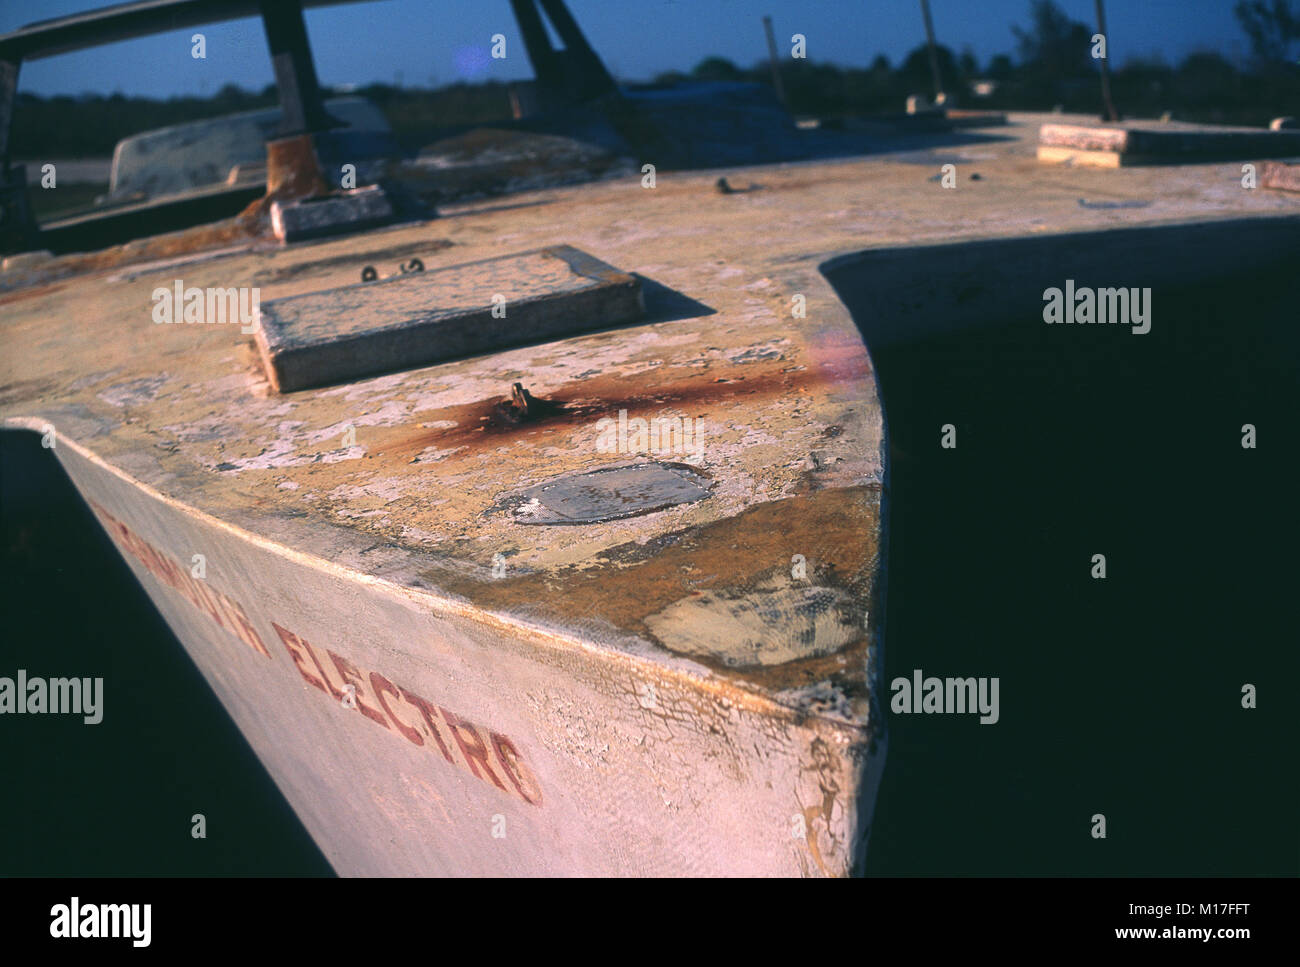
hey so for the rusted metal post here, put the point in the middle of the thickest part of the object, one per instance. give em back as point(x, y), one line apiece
point(772, 58)
point(573, 74)
point(1111, 113)
point(934, 55)
point(302, 110)
point(592, 79)
point(8, 92)
point(536, 42)
point(17, 227)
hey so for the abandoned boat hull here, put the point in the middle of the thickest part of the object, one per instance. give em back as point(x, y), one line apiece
point(537, 757)
point(598, 705)
point(473, 745)
point(687, 689)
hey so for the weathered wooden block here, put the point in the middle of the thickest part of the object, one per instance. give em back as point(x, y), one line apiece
point(1112, 146)
point(316, 217)
point(1278, 174)
point(421, 318)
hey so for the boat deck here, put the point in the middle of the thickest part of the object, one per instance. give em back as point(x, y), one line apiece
point(656, 693)
point(790, 423)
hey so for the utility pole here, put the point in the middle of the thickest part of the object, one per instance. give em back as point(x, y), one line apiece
point(1111, 114)
point(934, 56)
point(771, 55)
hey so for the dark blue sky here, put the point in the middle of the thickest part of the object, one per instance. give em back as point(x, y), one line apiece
point(440, 41)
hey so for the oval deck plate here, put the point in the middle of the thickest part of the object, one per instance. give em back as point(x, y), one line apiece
point(609, 494)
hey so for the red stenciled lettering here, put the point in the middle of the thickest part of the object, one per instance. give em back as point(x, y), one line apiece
point(230, 617)
point(208, 603)
point(474, 749)
point(229, 611)
point(162, 566)
point(428, 711)
point(192, 588)
point(476, 752)
point(291, 644)
point(477, 746)
point(380, 684)
point(245, 630)
point(144, 553)
point(115, 526)
point(352, 676)
point(154, 562)
point(512, 764)
point(217, 606)
point(169, 571)
point(134, 545)
point(320, 667)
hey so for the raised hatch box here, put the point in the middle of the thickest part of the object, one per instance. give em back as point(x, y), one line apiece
point(426, 317)
point(1142, 143)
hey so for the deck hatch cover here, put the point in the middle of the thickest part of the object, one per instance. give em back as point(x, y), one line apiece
point(610, 493)
point(421, 318)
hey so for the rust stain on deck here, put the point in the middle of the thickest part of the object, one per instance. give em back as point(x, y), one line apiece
point(576, 404)
point(835, 530)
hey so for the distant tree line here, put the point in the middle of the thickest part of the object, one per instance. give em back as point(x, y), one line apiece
point(1053, 65)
